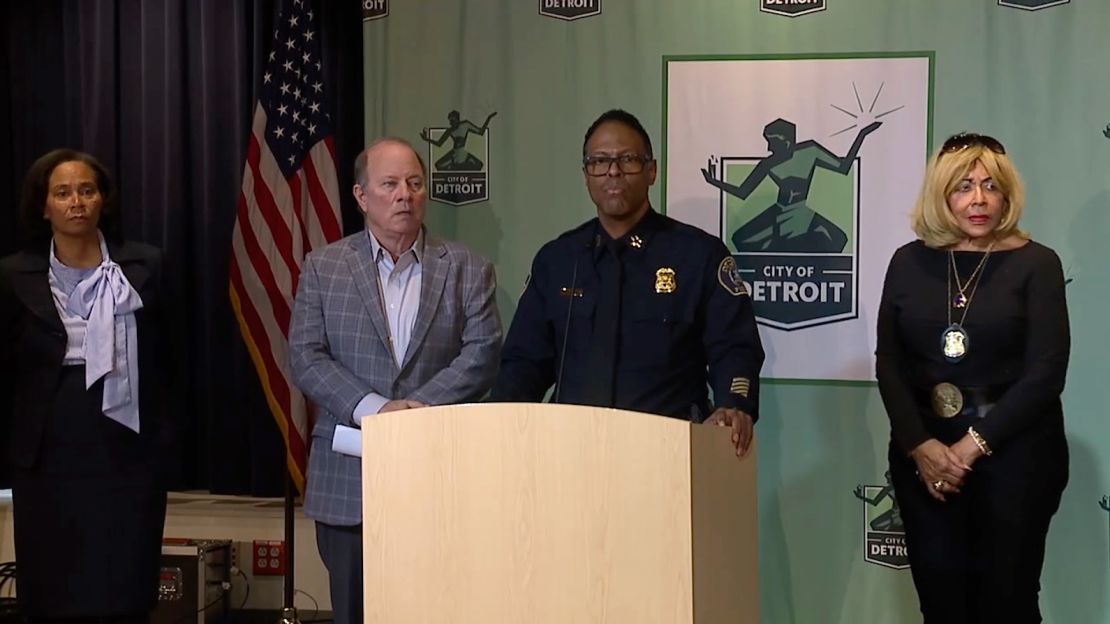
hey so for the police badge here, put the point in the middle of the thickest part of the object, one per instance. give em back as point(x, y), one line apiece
point(665, 281)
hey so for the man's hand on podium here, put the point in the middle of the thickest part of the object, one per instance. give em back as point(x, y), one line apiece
point(741, 424)
point(401, 404)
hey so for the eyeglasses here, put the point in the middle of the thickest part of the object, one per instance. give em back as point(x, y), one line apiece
point(627, 163)
point(964, 140)
point(967, 186)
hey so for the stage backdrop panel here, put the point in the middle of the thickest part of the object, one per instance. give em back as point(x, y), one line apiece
point(1029, 73)
point(759, 152)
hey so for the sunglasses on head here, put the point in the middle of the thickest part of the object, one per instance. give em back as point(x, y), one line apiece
point(964, 140)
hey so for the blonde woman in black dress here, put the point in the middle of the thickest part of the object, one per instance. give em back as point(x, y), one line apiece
point(973, 346)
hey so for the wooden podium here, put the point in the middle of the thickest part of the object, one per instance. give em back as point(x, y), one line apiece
point(555, 514)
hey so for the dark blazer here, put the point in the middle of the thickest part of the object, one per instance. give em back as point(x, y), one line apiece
point(33, 342)
point(676, 341)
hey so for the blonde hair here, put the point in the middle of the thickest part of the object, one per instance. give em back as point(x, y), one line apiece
point(932, 220)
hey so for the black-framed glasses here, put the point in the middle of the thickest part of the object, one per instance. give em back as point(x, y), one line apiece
point(626, 163)
point(964, 140)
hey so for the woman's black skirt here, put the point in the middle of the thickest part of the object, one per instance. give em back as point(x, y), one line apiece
point(88, 516)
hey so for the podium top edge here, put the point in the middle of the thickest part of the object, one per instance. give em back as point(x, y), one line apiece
point(530, 409)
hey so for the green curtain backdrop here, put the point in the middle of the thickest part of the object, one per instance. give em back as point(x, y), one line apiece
point(1035, 79)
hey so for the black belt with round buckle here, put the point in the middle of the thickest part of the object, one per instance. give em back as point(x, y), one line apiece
point(950, 400)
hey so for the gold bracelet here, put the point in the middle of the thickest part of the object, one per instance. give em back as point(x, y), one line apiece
point(979, 441)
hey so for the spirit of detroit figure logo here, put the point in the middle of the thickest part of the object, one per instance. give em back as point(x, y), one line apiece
point(458, 159)
point(789, 225)
point(884, 532)
point(791, 216)
point(459, 175)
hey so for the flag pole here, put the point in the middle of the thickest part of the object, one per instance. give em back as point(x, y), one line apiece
point(288, 205)
point(288, 611)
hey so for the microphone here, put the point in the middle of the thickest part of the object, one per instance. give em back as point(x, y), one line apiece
point(590, 244)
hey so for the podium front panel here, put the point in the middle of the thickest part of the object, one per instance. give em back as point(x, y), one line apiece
point(554, 514)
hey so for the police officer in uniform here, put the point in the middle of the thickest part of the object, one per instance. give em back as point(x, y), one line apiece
point(633, 309)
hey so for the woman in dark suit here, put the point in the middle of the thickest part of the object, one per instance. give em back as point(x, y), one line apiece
point(87, 434)
point(973, 346)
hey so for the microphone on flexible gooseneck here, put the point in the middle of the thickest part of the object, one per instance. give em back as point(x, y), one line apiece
point(593, 242)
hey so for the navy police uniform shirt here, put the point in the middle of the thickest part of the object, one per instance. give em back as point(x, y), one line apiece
point(686, 322)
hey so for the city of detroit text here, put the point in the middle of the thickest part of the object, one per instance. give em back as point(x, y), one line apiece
point(890, 547)
point(571, 4)
point(795, 288)
point(458, 185)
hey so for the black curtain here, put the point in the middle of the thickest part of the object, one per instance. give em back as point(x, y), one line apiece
point(162, 92)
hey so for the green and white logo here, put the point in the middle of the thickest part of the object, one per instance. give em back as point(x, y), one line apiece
point(805, 168)
point(884, 535)
point(792, 8)
point(1031, 5)
point(791, 219)
point(459, 157)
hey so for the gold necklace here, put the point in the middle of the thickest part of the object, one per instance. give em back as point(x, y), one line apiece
point(954, 340)
point(961, 299)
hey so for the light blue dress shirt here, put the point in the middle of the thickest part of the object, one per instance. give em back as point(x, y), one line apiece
point(399, 285)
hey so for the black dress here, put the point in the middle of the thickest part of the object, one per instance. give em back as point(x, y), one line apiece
point(978, 556)
point(89, 494)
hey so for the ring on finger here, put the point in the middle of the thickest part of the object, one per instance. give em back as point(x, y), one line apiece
point(939, 484)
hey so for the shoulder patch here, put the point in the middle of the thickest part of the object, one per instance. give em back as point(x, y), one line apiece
point(729, 277)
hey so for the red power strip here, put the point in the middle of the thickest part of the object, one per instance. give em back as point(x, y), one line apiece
point(268, 557)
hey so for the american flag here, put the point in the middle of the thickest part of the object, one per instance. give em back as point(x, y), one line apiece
point(288, 206)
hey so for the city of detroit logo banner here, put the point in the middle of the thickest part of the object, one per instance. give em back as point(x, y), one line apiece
point(459, 157)
point(807, 169)
point(884, 534)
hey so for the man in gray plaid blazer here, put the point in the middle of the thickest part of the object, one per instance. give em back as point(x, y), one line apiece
point(386, 319)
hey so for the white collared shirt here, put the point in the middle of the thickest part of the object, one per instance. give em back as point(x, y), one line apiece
point(399, 286)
